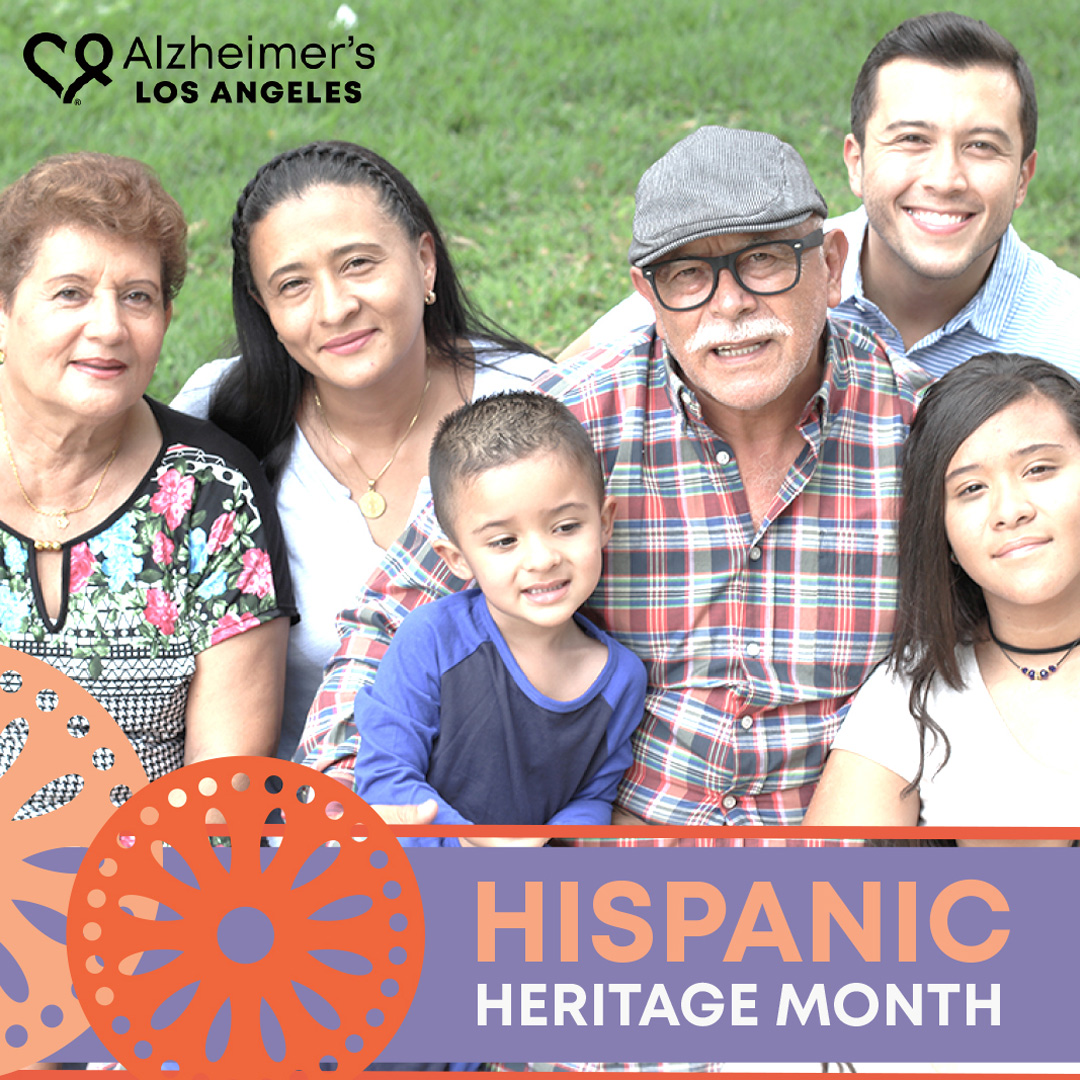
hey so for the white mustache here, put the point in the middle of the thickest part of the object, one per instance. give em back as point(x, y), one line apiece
point(716, 337)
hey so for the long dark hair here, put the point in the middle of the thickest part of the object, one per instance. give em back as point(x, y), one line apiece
point(257, 401)
point(925, 843)
point(910, 843)
point(939, 607)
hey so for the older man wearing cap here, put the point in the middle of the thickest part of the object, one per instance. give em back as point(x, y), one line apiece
point(754, 450)
point(941, 151)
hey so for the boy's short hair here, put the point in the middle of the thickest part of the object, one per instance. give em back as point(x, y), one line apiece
point(500, 430)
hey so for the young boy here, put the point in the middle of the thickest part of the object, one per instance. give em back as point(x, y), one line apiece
point(501, 702)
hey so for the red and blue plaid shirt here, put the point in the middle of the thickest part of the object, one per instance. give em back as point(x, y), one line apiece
point(754, 636)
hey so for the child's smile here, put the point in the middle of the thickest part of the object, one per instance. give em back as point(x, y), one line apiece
point(531, 533)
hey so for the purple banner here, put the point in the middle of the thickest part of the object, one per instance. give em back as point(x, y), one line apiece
point(781, 954)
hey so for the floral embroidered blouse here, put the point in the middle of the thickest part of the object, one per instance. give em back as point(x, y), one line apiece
point(193, 557)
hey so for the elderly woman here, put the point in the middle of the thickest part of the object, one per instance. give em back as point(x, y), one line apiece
point(139, 549)
point(356, 340)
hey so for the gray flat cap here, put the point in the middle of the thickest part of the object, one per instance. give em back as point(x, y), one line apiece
point(720, 180)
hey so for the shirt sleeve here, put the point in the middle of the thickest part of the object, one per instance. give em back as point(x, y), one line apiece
point(879, 725)
point(215, 532)
point(397, 723)
point(622, 320)
point(410, 574)
point(235, 567)
point(194, 396)
point(592, 802)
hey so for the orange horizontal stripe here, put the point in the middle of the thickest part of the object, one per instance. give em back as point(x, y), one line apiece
point(727, 832)
point(26, 1074)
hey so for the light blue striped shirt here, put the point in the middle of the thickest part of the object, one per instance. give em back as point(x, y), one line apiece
point(1027, 304)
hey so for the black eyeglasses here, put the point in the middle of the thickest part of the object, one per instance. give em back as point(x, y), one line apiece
point(763, 269)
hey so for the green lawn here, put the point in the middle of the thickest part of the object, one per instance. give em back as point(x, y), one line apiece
point(526, 125)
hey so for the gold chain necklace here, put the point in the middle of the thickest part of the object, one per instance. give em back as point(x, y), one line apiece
point(371, 503)
point(62, 516)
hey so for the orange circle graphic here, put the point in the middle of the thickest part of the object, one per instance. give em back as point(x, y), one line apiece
point(261, 960)
point(70, 755)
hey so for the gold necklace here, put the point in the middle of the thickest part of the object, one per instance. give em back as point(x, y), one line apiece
point(371, 503)
point(62, 516)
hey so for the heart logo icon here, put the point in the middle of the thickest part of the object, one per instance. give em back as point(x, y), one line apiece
point(90, 70)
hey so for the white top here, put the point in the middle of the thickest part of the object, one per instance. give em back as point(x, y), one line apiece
point(990, 778)
point(331, 552)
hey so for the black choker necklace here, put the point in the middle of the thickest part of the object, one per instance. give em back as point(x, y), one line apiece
point(1034, 674)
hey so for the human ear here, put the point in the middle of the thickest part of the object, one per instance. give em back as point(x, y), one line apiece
point(451, 554)
point(6, 303)
point(835, 248)
point(426, 252)
point(645, 290)
point(1027, 171)
point(642, 286)
point(853, 161)
point(607, 518)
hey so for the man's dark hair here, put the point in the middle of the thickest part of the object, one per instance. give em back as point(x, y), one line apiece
point(500, 430)
point(952, 41)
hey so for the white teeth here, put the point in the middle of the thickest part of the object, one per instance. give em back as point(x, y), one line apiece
point(736, 350)
point(932, 217)
point(540, 589)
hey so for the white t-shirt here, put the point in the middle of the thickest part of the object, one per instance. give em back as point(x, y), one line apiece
point(990, 778)
point(331, 552)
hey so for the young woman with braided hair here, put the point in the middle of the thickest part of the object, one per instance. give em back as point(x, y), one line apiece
point(355, 339)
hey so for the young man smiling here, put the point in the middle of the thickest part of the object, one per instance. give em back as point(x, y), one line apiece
point(941, 151)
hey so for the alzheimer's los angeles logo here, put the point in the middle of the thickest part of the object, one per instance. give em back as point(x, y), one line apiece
point(45, 46)
point(192, 69)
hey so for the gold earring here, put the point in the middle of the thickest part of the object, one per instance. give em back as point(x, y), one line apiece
point(429, 299)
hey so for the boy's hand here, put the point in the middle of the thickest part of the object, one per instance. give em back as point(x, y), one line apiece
point(422, 814)
point(501, 841)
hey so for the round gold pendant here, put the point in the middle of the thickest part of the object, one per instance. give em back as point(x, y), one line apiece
point(372, 504)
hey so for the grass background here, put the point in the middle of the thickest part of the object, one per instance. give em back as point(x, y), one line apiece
point(525, 125)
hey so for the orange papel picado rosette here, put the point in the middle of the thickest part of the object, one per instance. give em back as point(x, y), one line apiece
point(262, 960)
point(64, 752)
